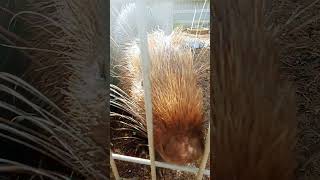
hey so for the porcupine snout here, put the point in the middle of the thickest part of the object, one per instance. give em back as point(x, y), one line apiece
point(184, 149)
point(181, 148)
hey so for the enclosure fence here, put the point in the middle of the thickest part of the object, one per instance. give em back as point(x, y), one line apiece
point(201, 171)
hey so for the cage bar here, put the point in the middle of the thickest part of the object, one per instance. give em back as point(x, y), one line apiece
point(159, 164)
point(141, 24)
point(114, 167)
point(205, 156)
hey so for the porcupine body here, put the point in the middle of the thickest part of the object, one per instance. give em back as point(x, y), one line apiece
point(254, 128)
point(177, 95)
point(68, 45)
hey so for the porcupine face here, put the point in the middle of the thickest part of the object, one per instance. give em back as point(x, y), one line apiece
point(176, 97)
point(180, 147)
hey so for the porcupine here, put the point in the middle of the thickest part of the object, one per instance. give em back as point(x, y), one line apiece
point(254, 126)
point(67, 41)
point(175, 75)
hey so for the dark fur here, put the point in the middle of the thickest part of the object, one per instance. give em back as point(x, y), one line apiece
point(255, 124)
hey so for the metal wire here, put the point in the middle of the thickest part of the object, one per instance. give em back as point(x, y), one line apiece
point(205, 156)
point(141, 24)
point(114, 167)
point(159, 164)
